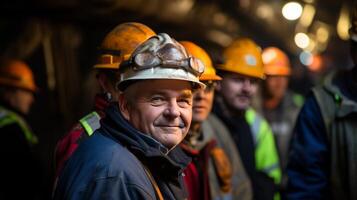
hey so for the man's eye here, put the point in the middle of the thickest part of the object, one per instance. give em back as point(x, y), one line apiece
point(185, 102)
point(238, 80)
point(157, 100)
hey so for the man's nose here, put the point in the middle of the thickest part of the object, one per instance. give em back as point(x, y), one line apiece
point(172, 110)
point(199, 95)
point(247, 84)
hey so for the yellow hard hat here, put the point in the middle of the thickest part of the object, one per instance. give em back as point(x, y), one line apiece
point(18, 74)
point(243, 56)
point(276, 62)
point(161, 57)
point(210, 73)
point(118, 44)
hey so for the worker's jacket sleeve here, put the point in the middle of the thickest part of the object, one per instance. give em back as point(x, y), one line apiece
point(308, 160)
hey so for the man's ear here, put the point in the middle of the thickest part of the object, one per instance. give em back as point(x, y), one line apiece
point(218, 86)
point(103, 82)
point(124, 106)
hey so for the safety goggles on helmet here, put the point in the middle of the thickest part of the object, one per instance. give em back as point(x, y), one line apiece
point(170, 56)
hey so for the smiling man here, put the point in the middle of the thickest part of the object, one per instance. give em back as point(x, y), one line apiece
point(134, 155)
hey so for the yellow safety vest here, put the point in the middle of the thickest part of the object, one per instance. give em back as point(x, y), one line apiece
point(8, 117)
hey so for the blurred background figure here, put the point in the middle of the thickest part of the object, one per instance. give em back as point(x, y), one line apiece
point(322, 162)
point(216, 170)
point(20, 169)
point(242, 69)
point(116, 47)
point(280, 106)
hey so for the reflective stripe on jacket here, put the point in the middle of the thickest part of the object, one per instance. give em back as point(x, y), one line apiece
point(8, 117)
point(90, 122)
point(266, 156)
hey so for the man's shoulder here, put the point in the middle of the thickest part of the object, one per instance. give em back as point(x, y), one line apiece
point(106, 154)
point(103, 158)
point(102, 165)
point(216, 126)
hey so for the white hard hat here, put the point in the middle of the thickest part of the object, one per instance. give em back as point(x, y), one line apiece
point(161, 57)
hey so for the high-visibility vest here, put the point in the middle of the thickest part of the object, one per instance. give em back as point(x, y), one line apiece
point(90, 122)
point(8, 117)
point(266, 155)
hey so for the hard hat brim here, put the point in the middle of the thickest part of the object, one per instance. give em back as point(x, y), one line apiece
point(106, 66)
point(11, 83)
point(160, 73)
point(241, 72)
point(210, 77)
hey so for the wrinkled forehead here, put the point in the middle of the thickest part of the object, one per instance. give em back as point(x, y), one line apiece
point(160, 86)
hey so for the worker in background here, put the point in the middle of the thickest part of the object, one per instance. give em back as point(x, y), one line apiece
point(242, 70)
point(216, 171)
point(135, 152)
point(322, 161)
point(280, 106)
point(116, 47)
point(20, 169)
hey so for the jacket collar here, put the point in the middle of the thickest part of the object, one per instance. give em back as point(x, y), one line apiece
point(333, 85)
point(148, 150)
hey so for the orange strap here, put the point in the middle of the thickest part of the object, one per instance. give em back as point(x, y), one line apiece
point(153, 182)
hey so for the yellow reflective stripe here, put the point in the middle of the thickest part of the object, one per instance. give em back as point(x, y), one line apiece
point(90, 122)
point(267, 158)
point(298, 100)
point(86, 127)
point(9, 117)
point(6, 121)
point(250, 116)
point(266, 155)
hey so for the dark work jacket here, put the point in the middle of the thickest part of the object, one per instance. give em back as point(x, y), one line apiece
point(263, 186)
point(323, 156)
point(110, 165)
point(20, 169)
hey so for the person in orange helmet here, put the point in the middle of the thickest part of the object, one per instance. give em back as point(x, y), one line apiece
point(242, 71)
point(216, 170)
point(115, 48)
point(19, 168)
point(280, 106)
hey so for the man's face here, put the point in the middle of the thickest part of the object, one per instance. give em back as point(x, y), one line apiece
point(22, 100)
point(159, 108)
point(275, 86)
point(237, 90)
point(202, 103)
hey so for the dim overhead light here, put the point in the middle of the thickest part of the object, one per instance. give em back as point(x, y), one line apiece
point(343, 23)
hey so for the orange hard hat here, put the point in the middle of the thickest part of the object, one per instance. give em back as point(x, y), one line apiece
point(120, 43)
point(243, 56)
point(276, 62)
point(210, 73)
point(16, 73)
